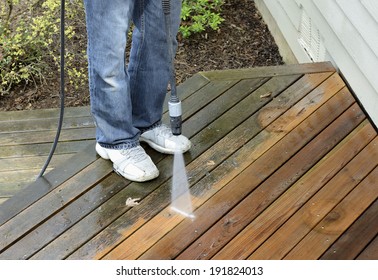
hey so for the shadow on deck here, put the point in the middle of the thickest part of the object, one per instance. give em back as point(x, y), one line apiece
point(283, 166)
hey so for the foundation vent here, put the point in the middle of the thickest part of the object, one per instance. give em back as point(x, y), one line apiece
point(310, 39)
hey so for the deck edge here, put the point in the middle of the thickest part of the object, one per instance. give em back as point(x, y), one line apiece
point(268, 71)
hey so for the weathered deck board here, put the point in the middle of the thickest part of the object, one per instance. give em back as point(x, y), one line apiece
point(283, 165)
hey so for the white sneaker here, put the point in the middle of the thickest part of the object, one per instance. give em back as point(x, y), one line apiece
point(133, 164)
point(162, 140)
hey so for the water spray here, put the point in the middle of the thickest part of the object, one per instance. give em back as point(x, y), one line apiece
point(181, 200)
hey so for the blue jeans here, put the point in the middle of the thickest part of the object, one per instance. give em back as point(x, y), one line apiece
point(127, 99)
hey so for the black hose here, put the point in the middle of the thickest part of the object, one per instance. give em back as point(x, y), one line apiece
point(62, 93)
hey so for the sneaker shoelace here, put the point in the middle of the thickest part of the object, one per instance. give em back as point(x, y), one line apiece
point(137, 154)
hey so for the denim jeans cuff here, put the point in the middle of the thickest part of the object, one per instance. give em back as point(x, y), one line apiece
point(123, 146)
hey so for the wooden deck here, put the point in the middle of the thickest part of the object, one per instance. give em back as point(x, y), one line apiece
point(283, 166)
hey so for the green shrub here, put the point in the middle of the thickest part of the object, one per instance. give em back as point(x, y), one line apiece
point(197, 15)
point(30, 39)
point(29, 42)
point(21, 47)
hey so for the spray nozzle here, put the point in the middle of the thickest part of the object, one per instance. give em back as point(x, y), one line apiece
point(174, 107)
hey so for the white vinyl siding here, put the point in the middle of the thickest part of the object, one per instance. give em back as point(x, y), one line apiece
point(344, 32)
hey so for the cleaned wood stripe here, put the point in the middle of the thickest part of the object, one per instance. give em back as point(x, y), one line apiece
point(272, 218)
point(350, 244)
point(316, 242)
point(280, 242)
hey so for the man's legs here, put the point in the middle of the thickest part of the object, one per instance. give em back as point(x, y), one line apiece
point(126, 103)
point(117, 138)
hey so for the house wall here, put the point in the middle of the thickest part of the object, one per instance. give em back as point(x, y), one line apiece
point(344, 32)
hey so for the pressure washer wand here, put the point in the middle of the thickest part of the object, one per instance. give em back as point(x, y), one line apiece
point(174, 103)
